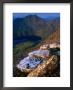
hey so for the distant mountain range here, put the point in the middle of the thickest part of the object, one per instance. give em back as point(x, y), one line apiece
point(33, 28)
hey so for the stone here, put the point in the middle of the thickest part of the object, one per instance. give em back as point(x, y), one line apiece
point(47, 66)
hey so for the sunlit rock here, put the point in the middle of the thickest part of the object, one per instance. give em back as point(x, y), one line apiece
point(47, 66)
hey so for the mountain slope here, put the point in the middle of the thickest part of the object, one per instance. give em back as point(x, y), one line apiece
point(33, 26)
point(54, 37)
point(31, 32)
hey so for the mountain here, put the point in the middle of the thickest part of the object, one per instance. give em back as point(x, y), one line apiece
point(54, 37)
point(33, 28)
point(30, 32)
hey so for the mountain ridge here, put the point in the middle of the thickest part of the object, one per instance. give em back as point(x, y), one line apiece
point(32, 25)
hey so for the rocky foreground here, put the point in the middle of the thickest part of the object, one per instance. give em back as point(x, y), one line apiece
point(45, 68)
point(49, 68)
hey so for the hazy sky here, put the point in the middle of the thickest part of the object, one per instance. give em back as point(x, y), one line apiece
point(42, 15)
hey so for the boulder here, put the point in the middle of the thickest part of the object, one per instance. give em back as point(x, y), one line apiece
point(47, 66)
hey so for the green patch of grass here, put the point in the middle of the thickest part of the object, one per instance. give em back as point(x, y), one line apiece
point(21, 50)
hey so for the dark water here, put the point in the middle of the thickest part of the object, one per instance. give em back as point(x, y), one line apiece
point(34, 39)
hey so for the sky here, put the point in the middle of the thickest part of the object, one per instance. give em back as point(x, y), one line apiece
point(42, 15)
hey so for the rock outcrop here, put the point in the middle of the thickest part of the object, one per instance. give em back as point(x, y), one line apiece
point(47, 67)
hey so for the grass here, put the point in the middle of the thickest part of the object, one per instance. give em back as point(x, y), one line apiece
point(21, 50)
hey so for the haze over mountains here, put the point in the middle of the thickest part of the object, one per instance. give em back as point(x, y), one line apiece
point(34, 28)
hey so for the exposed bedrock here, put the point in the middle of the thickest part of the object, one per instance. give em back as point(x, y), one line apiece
point(47, 67)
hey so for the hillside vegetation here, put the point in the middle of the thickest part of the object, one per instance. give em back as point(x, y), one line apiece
point(30, 33)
